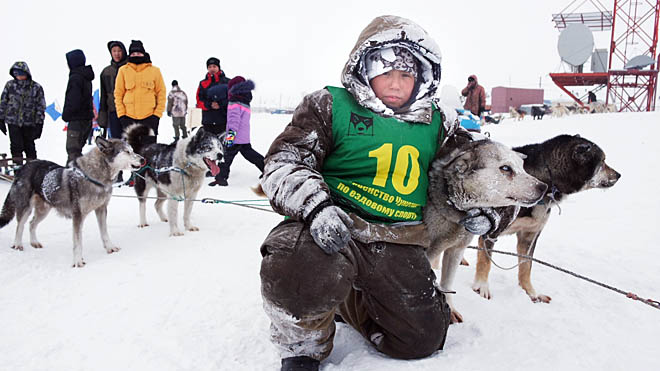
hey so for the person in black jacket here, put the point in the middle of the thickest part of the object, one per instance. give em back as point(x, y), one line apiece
point(212, 97)
point(78, 106)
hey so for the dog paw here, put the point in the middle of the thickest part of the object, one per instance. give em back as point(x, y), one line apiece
point(37, 245)
point(193, 228)
point(110, 250)
point(541, 299)
point(481, 288)
point(176, 234)
point(143, 225)
point(17, 247)
point(79, 264)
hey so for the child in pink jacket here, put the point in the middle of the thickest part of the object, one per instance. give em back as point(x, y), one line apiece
point(238, 129)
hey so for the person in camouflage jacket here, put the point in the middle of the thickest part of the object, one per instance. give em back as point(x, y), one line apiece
point(22, 107)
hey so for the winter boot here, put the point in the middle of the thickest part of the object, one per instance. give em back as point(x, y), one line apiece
point(300, 363)
point(219, 182)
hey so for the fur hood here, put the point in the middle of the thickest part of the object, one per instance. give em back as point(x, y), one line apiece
point(242, 87)
point(387, 31)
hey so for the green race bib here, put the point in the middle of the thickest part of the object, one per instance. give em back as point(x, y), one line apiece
point(379, 166)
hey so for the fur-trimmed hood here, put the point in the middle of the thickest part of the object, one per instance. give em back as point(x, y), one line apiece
point(387, 31)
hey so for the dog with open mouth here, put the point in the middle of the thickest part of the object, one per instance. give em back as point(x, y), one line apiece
point(176, 170)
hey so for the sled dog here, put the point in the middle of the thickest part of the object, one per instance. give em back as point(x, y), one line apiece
point(516, 113)
point(476, 175)
point(176, 170)
point(74, 191)
point(567, 164)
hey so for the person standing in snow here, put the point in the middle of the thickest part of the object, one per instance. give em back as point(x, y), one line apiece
point(212, 97)
point(475, 96)
point(78, 109)
point(238, 129)
point(107, 112)
point(22, 111)
point(177, 108)
point(140, 92)
point(348, 247)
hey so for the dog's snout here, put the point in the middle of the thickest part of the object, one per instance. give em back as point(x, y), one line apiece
point(541, 188)
point(219, 156)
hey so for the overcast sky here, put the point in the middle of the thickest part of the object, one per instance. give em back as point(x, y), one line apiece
point(288, 48)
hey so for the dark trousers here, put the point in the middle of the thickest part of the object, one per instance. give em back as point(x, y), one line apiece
point(248, 153)
point(150, 122)
point(114, 125)
point(384, 290)
point(21, 139)
point(76, 135)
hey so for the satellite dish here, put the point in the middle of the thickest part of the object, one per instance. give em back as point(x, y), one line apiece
point(639, 62)
point(575, 44)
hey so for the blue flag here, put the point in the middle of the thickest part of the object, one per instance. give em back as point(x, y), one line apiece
point(53, 112)
point(96, 99)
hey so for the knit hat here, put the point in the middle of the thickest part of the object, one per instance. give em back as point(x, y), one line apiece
point(136, 46)
point(213, 60)
point(384, 60)
point(175, 83)
point(75, 58)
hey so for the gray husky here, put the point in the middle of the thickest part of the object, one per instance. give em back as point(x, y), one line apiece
point(176, 170)
point(470, 180)
point(74, 191)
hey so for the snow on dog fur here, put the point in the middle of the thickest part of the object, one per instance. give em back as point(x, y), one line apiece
point(176, 170)
point(468, 181)
point(74, 191)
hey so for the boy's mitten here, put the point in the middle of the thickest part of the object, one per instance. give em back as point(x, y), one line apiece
point(330, 229)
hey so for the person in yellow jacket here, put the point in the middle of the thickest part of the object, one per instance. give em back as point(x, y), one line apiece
point(140, 91)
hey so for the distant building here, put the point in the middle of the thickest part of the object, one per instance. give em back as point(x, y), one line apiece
point(502, 98)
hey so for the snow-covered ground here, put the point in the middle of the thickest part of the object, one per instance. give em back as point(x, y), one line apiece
point(193, 302)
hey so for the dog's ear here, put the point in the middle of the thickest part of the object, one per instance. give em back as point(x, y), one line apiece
point(463, 163)
point(581, 152)
point(522, 155)
point(103, 144)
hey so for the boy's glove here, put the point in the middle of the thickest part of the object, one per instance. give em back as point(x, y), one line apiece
point(330, 229)
point(481, 221)
point(229, 138)
point(3, 127)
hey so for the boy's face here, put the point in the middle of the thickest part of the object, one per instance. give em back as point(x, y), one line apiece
point(394, 87)
point(21, 77)
point(116, 53)
point(213, 69)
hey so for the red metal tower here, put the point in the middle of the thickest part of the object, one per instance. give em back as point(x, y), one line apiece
point(634, 25)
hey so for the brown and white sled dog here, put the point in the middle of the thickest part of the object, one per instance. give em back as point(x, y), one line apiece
point(567, 164)
point(176, 170)
point(473, 177)
point(74, 191)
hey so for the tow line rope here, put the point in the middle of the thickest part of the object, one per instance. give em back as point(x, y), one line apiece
point(259, 204)
point(653, 303)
